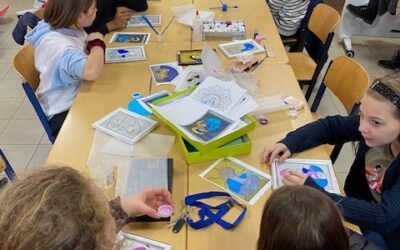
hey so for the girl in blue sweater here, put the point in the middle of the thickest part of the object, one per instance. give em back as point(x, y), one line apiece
point(372, 186)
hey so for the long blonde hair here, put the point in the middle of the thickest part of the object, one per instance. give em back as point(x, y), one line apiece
point(55, 208)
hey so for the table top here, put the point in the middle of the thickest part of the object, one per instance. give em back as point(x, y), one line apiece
point(116, 83)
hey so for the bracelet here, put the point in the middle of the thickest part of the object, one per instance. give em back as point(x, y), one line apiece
point(94, 43)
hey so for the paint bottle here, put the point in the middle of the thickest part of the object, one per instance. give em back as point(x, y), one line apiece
point(197, 22)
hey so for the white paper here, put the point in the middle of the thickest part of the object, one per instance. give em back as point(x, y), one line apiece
point(183, 111)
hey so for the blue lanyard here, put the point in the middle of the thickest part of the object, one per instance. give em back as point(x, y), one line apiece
point(213, 214)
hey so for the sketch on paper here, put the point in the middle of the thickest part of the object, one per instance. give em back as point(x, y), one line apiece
point(125, 54)
point(236, 48)
point(238, 178)
point(130, 37)
point(209, 126)
point(125, 125)
point(165, 73)
point(321, 171)
point(215, 96)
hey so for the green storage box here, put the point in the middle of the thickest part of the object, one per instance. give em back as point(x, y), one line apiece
point(204, 147)
point(239, 146)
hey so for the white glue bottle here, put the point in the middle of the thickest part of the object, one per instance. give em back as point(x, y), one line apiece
point(197, 22)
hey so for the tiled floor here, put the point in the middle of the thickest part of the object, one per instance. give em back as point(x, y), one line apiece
point(22, 137)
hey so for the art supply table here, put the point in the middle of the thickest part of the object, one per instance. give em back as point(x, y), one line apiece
point(118, 81)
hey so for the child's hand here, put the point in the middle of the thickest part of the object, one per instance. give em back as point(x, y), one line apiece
point(120, 20)
point(94, 35)
point(278, 150)
point(294, 179)
point(146, 202)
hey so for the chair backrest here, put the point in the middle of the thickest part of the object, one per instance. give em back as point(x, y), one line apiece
point(303, 29)
point(6, 166)
point(322, 24)
point(323, 21)
point(24, 65)
point(348, 81)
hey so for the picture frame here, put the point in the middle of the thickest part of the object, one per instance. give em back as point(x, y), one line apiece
point(125, 125)
point(145, 101)
point(128, 241)
point(137, 21)
point(189, 57)
point(165, 73)
point(238, 178)
point(125, 54)
point(320, 170)
point(130, 37)
point(238, 48)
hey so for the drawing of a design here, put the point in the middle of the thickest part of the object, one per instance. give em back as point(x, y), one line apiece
point(240, 183)
point(313, 171)
point(215, 96)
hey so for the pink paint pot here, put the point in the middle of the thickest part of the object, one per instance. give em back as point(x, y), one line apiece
point(165, 211)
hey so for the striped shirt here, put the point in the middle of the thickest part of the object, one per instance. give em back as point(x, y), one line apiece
point(288, 14)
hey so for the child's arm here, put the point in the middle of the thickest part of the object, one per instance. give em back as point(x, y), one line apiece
point(95, 59)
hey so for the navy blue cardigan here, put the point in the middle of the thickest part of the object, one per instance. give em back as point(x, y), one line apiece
point(359, 206)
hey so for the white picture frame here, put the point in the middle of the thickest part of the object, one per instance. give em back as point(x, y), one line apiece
point(238, 48)
point(125, 54)
point(125, 125)
point(316, 169)
point(127, 241)
point(145, 101)
point(130, 37)
point(254, 184)
point(137, 21)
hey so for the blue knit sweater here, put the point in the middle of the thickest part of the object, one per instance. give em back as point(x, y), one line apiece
point(358, 207)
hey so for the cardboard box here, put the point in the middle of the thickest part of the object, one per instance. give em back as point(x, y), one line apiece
point(204, 147)
point(239, 146)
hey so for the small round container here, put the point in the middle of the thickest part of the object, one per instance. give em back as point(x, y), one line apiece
point(136, 95)
point(165, 211)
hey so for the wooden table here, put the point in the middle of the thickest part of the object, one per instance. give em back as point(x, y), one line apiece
point(114, 87)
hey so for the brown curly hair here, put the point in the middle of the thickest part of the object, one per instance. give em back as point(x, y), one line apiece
point(54, 208)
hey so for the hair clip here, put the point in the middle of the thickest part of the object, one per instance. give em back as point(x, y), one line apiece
point(386, 92)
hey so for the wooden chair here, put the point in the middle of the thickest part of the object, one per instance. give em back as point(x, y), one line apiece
point(24, 65)
point(321, 27)
point(348, 81)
